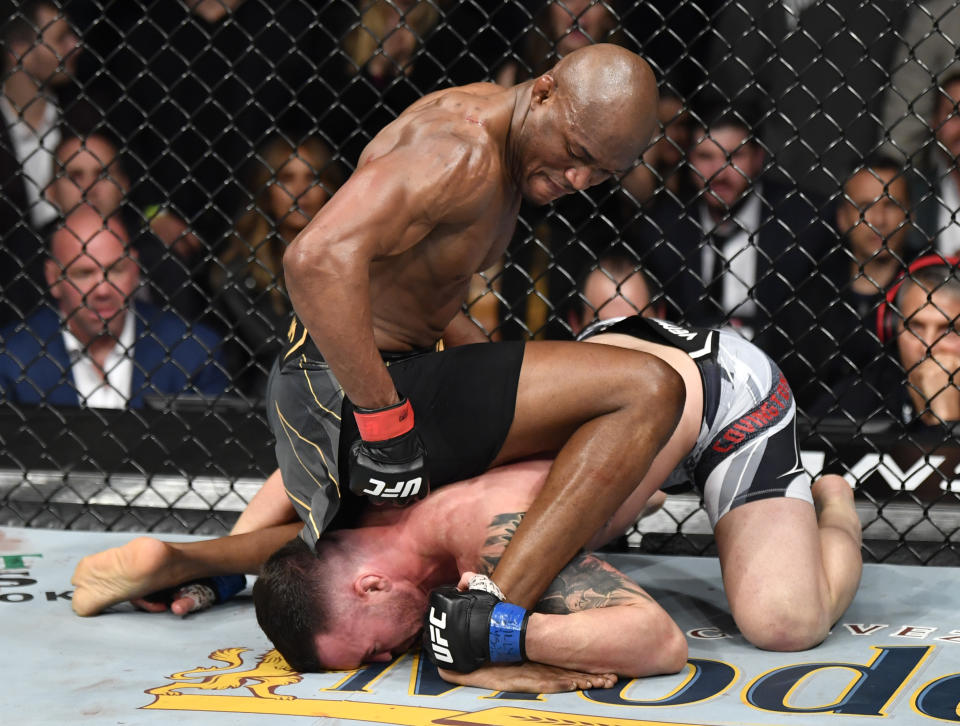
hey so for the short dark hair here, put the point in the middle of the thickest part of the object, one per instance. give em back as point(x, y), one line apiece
point(881, 162)
point(292, 603)
point(726, 117)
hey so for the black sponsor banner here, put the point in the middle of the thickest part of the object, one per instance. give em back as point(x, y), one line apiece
point(887, 462)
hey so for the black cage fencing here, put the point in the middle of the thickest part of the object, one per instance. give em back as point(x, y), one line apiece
point(157, 157)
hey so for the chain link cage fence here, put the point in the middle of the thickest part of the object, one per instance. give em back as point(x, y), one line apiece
point(806, 159)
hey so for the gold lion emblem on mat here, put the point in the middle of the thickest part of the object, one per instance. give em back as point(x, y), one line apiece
point(270, 673)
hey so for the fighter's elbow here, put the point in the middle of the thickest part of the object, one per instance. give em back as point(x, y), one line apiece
point(675, 652)
point(296, 260)
point(307, 266)
point(666, 650)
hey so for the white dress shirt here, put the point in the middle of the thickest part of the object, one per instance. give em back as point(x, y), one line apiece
point(34, 149)
point(113, 389)
point(947, 240)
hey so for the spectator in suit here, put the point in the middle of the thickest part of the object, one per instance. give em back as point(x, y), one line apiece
point(39, 56)
point(834, 326)
point(289, 185)
point(938, 187)
point(736, 252)
point(97, 348)
point(614, 287)
point(90, 171)
point(816, 70)
point(663, 170)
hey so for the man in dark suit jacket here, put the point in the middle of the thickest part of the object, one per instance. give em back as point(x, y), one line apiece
point(734, 254)
point(97, 349)
point(815, 70)
point(91, 171)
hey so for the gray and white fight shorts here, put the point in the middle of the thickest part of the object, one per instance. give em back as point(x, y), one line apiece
point(747, 448)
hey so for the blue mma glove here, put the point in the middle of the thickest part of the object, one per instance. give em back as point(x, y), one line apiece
point(465, 630)
point(226, 586)
point(388, 463)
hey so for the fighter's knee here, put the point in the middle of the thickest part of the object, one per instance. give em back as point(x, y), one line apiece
point(660, 390)
point(786, 632)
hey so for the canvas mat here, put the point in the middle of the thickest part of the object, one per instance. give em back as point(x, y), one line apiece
point(894, 658)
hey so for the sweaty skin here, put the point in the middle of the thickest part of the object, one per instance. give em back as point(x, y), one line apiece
point(434, 200)
point(776, 608)
point(575, 637)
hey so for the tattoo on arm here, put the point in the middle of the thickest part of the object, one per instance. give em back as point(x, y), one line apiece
point(499, 533)
point(586, 582)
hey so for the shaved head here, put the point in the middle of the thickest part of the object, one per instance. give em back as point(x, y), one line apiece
point(613, 92)
point(588, 119)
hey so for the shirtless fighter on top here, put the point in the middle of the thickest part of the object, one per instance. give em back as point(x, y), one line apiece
point(361, 402)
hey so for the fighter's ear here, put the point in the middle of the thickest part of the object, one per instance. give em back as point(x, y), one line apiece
point(544, 87)
point(368, 583)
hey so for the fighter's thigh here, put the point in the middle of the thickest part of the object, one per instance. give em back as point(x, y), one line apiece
point(773, 575)
point(564, 384)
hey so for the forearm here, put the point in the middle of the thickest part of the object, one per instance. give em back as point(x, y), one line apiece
point(632, 640)
point(269, 507)
point(321, 281)
point(529, 678)
point(241, 553)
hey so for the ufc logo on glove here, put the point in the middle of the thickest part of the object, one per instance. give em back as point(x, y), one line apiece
point(438, 644)
point(465, 630)
point(401, 490)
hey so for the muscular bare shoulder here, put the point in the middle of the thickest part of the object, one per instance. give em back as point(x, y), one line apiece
point(452, 143)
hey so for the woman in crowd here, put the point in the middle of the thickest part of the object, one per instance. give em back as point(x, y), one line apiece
point(289, 184)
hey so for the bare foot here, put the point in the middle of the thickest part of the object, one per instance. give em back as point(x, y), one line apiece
point(833, 494)
point(138, 568)
point(834, 502)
